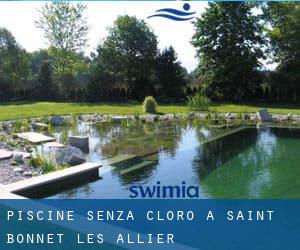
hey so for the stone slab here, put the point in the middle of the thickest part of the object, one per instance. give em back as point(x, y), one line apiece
point(81, 142)
point(119, 159)
point(35, 138)
point(9, 196)
point(233, 131)
point(5, 154)
point(39, 125)
point(118, 119)
point(53, 177)
point(54, 145)
point(25, 155)
point(5, 194)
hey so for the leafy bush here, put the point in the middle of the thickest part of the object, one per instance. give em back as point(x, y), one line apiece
point(150, 105)
point(198, 102)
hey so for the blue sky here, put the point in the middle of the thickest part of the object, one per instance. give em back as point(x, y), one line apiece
point(19, 18)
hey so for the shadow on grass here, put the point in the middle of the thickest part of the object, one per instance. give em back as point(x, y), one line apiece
point(17, 103)
point(259, 105)
point(89, 104)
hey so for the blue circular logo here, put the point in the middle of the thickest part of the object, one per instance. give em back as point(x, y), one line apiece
point(186, 6)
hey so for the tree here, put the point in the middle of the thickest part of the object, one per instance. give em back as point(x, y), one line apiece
point(45, 82)
point(284, 36)
point(228, 42)
point(126, 57)
point(171, 75)
point(65, 28)
point(14, 64)
point(37, 59)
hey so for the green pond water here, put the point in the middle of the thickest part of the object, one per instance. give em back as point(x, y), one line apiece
point(225, 163)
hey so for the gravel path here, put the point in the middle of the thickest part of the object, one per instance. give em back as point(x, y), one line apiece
point(8, 175)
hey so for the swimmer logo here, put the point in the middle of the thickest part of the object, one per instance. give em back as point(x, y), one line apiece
point(174, 14)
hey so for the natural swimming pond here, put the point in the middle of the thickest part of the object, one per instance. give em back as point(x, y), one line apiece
point(238, 162)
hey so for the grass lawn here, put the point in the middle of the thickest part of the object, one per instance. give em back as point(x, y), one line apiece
point(11, 111)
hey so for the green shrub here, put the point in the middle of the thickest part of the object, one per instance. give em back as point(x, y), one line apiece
point(150, 105)
point(199, 102)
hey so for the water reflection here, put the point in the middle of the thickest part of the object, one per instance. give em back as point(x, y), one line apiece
point(214, 154)
point(260, 168)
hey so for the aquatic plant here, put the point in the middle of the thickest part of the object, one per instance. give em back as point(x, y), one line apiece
point(11, 143)
point(39, 160)
point(74, 118)
point(21, 125)
point(123, 123)
point(17, 126)
point(246, 116)
point(45, 120)
point(183, 121)
point(215, 119)
point(208, 117)
point(198, 102)
point(222, 119)
point(2, 137)
point(239, 116)
point(64, 137)
point(131, 123)
point(150, 105)
point(51, 128)
point(44, 162)
point(26, 124)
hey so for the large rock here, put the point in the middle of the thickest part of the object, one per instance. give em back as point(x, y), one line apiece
point(150, 118)
point(95, 118)
point(18, 170)
point(5, 154)
point(229, 116)
point(71, 155)
point(81, 142)
point(264, 116)
point(57, 121)
point(18, 158)
point(28, 174)
point(7, 125)
point(192, 115)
